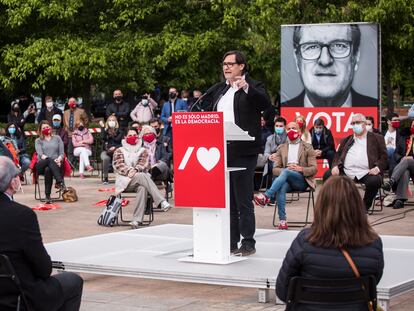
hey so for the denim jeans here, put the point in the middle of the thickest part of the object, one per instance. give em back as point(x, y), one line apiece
point(391, 160)
point(287, 181)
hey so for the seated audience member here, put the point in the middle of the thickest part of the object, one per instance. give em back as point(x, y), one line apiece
point(403, 171)
point(144, 110)
point(111, 137)
point(370, 125)
point(306, 136)
point(362, 156)
point(17, 117)
point(4, 151)
point(161, 139)
point(21, 242)
point(392, 136)
point(131, 165)
point(158, 157)
point(59, 130)
point(339, 224)
point(322, 141)
point(48, 111)
point(295, 168)
point(82, 141)
point(136, 125)
point(50, 156)
point(19, 142)
point(265, 133)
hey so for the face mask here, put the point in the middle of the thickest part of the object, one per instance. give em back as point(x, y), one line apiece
point(369, 128)
point(81, 128)
point(56, 123)
point(49, 104)
point(318, 131)
point(395, 124)
point(149, 137)
point(132, 140)
point(111, 124)
point(279, 130)
point(46, 131)
point(357, 128)
point(118, 98)
point(300, 123)
point(144, 102)
point(72, 105)
point(172, 95)
point(12, 130)
point(412, 130)
point(158, 130)
point(292, 135)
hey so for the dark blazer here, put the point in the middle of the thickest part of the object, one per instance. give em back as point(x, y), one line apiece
point(111, 140)
point(42, 114)
point(121, 111)
point(326, 142)
point(377, 153)
point(21, 241)
point(306, 260)
point(247, 113)
point(358, 100)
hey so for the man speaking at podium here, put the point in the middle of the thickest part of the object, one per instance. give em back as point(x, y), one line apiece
point(241, 99)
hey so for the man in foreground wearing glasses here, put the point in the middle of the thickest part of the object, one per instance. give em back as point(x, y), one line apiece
point(326, 58)
point(241, 99)
point(361, 156)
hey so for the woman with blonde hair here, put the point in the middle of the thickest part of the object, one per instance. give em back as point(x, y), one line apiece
point(306, 136)
point(111, 137)
point(340, 223)
point(50, 156)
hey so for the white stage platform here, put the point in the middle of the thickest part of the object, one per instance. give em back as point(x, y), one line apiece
point(153, 252)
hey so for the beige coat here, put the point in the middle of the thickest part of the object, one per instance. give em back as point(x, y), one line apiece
point(79, 115)
point(307, 160)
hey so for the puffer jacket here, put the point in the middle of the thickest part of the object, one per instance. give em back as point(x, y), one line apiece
point(305, 260)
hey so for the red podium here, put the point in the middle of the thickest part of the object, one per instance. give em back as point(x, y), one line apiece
point(201, 181)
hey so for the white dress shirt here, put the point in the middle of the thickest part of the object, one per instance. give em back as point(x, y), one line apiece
point(293, 152)
point(226, 103)
point(356, 160)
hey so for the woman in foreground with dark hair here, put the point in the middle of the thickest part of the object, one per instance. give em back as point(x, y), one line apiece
point(340, 222)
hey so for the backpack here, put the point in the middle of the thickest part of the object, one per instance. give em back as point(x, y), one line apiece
point(109, 215)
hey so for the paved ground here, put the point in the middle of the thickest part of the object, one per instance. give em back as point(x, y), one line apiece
point(78, 219)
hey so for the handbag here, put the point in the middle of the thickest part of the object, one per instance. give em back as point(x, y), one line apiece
point(69, 195)
point(357, 275)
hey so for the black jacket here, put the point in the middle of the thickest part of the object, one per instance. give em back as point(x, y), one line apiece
point(42, 114)
point(121, 111)
point(326, 142)
point(247, 113)
point(21, 241)
point(358, 100)
point(111, 140)
point(305, 260)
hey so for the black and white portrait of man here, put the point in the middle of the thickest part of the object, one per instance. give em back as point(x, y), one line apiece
point(326, 61)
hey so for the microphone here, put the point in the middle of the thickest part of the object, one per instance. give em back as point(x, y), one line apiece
point(196, 104)
point(223, 91)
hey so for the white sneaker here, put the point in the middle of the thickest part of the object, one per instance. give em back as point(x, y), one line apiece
point(135, 224)
point(165, 206)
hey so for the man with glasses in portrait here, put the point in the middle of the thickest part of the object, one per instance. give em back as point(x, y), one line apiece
point(327, 58)
point(242, 100)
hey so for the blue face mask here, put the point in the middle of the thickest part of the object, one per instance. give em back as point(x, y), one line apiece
point(357, 128)
point(12, 130)
point(56, 124)
point(279, 130)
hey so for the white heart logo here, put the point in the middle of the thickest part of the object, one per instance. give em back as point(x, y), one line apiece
point(208, 158)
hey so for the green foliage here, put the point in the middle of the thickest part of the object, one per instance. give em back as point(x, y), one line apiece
point(65, 46)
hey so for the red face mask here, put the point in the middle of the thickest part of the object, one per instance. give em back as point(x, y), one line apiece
point(292, 135)
point(72, 105)
point(395, 124)
point(300, 123)
point(46, 131)
point(412, 130)
point(149, 137)
point(132, 140)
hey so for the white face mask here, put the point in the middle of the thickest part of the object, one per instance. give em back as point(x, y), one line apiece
point(369, 128)
point(111, 124)
point(49, 104)
point(145, 102)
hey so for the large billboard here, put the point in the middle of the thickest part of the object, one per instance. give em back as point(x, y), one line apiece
point(330, 71)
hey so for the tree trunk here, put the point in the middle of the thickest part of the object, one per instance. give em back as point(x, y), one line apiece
point(390, 99)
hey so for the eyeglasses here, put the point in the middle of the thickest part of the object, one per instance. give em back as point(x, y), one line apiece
point(357, 122)
point(229, 64)
point(313, 50)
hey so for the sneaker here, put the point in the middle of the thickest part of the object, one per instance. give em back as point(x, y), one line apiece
point(48, 199)
point(245, 250)
point(398, 204)
point(271, 203)
point(105, 181)
point(82, 176)
point(387, 186)
point(261, 199)
point(135, 224)
point(283, 225)
point(89, 168)
point(165, 206)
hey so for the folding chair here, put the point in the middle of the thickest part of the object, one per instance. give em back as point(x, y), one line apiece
point(335, 292)
point(301, 224)
point(149, 212)
point(11, 289)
